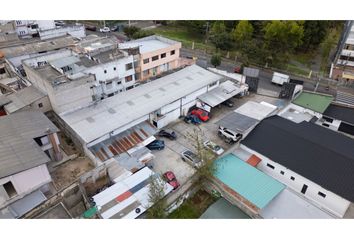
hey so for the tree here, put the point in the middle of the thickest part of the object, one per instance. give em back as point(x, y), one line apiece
point(283, 37)
point(314, 33)
point(130, 31)
point(156, 198)
point(243, 32)
point(208, 167)
point(219, 36)
point(193, 25)
point(141, 34)
point(215, 60)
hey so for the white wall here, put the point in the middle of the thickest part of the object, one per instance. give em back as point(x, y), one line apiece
point(75, 31)
point(332, 202)
point(169, 117)
point(26, 181)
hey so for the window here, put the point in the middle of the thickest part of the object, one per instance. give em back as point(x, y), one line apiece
point(105, 71)
point(114, 68)
point(110, 95)
point(128, 88)
point(163, 55)
point(128, 66)
point(292, 178)
point(322, 194)
point(282, 172)
point(128, 78)
point(146, 73)
point(10, 189)
point(40, 105)
point(154, 58)
point(173, 52)
point(146, 60)
point(119, 82)
point(213, 84)
point(304, 188)
point(270, 166)
point(2, 70)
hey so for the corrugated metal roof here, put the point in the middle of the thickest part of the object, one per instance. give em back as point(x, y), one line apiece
point(321, 155)
point(62, 62)
point(27, 203)
point(251, 72)
point(123, 198)
point(237, 122)
point(224, 91)
point(23, 98)
point(18, 150)
point(126, 114)
point(249, 182)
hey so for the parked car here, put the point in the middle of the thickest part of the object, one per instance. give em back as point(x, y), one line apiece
point(114, 28)
point(105, 30)
point(170, 135)
point(156, 145)
point(59, 23)
point(170, 177)
point(192, 119)
point(201, 114)
point(213, 147)
point(91, 28)
point(228, 135)
point(191, 158)
point(228, 103)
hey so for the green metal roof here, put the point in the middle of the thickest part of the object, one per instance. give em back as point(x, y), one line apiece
point(314, 101)
point(248, 181)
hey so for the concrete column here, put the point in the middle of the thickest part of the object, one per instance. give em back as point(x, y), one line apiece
point(58, 155)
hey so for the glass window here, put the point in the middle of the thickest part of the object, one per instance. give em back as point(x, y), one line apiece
point(154, 58)
point(128, 66)
point(173, 52)
point(163, 55)
point(128, 78)
point(146, 60)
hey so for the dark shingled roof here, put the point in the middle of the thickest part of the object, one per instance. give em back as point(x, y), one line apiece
point(345, 114)
point(318, 154)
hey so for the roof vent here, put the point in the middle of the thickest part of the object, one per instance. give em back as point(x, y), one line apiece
point(130, 103)
point(90, 119)
point(189, 78)
point(147, 95)
point(111, 111)
point(162, 89)
point(176, 83)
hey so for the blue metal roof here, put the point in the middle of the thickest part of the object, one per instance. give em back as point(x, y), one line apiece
point(248, 181)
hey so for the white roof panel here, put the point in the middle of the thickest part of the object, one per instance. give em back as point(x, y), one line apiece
point(134, 104)
point(256, 110)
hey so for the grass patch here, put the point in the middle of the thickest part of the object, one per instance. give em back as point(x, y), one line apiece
point(194, 207)
point(184, 36)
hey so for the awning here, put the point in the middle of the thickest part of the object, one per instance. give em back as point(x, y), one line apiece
point(237, 122)
point(224, 91)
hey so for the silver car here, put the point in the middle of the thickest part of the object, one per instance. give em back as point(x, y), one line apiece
point(191, 158)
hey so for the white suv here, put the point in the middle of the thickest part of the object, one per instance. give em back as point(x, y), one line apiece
point(228, 135)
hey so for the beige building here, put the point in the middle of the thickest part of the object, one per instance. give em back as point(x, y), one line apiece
point(156, 55)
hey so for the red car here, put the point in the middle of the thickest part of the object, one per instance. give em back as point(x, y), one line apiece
point(171, 179)
point(201, 114)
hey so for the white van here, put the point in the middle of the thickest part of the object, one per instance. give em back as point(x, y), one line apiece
point(280, 79)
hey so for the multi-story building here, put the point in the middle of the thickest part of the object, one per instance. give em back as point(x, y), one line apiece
point(75, 79)
point(343, 64)
point(155, 55)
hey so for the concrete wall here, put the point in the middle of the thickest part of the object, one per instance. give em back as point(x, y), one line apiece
point(75, 31)
point(64, 97)
point(331, 203)
point(25, 182)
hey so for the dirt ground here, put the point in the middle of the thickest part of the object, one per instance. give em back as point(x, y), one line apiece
point(68, 172)
point(67, 144)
